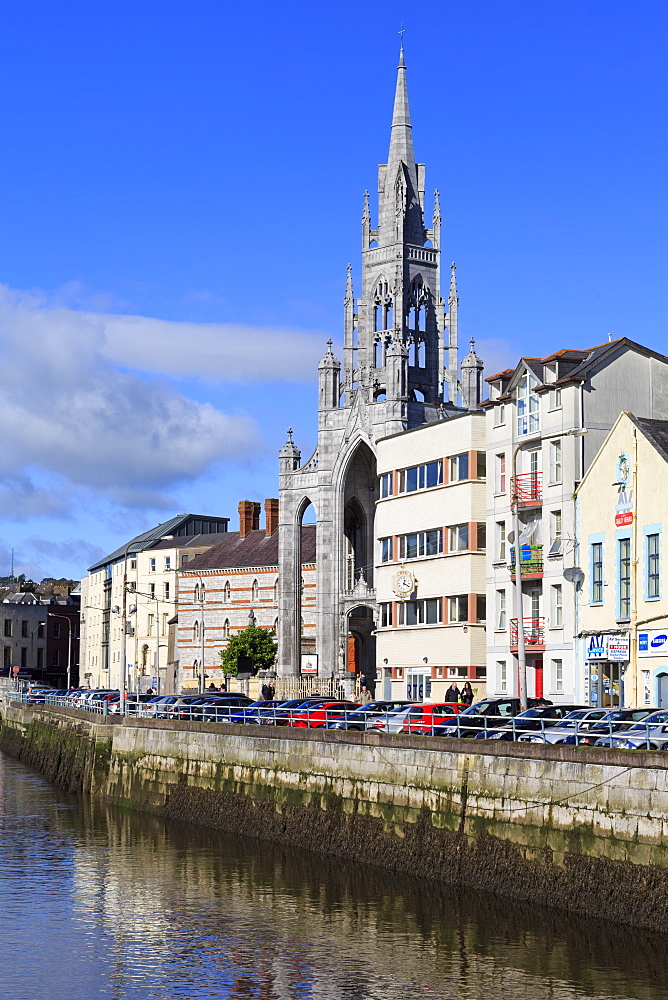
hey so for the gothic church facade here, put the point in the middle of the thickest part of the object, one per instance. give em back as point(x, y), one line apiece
point(399, 373)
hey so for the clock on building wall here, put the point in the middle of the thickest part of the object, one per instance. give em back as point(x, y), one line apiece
point(404, 583)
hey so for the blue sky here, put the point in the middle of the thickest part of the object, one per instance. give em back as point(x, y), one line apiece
point(181, 189)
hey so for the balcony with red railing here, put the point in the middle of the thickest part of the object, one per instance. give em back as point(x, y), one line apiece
point(531, 562)
point(527, 489)
point(534, 633)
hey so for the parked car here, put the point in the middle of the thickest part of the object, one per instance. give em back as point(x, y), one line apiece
point(280, 716)
point(485, 715)
point(315, 716)
point(579, 721)
point(217, 709)
point(422, 723)
point(393, 722)
point(160, 703)
point(650, 734)
point(365, 717)
point(614, 721)
point(252, 712)
point(534, 719)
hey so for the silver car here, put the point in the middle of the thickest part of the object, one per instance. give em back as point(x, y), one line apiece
point(393, 722)
point(650, 734)
point(575, 722)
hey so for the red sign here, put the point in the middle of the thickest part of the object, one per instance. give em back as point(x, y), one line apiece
point(15, 670)
point(623, 519)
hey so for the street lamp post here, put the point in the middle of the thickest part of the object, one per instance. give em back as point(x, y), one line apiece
point(519, 611)
point(69, 643)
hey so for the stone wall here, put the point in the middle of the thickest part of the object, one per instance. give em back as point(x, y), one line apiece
point(575, 828)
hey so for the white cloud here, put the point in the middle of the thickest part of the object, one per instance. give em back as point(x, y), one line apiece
point(67, 411)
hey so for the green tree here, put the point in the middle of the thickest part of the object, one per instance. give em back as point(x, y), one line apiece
point(254, 644)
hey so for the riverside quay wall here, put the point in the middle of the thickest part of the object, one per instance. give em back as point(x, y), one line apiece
point(577, 828)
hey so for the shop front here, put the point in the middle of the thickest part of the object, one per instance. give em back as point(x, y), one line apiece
point(606, 658)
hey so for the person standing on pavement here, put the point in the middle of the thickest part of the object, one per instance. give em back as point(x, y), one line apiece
point(467, 694)
point(452, 694)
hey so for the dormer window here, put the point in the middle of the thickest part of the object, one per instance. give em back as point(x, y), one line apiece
point(528, 412)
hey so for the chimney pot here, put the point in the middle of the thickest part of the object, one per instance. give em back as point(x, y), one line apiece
point(249, 517)
point(271, 515)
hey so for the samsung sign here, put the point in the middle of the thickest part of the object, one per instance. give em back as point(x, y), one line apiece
point(653, 642)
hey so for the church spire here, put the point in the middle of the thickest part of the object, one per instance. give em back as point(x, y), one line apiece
point(401, 139)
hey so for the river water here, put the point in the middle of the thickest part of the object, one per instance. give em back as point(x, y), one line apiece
point(99, 903)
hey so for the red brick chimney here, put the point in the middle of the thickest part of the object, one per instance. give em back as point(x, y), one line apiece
point(271, 515)
point(249, 517)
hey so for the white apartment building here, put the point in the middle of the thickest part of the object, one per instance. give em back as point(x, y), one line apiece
point(537, 454)
point(149, 563)
point(430, 559)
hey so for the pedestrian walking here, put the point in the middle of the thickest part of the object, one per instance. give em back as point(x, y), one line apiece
point(365, 695)
point(467, 694)
point(452, 694)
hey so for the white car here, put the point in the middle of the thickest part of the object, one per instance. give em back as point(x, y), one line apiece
point(576, 722)
point(650, 734)
point(393, 721)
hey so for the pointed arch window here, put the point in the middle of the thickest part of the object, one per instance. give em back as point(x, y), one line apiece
point(227, 592)
point(255, 592)
point(276, 591)
point(196, 598)
point(196, 630)
point(202, 594)
point(226, 629)
point(377, 353)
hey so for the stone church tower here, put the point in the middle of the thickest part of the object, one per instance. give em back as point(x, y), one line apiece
point(399, 372)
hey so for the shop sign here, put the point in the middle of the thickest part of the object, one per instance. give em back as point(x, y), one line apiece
point(624, 518)
point(624, 508)
point(617, 647)
point(309, 663)
point(653, 642)
point(595, 647)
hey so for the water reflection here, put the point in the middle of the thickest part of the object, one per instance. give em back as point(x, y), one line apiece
point(97, 903)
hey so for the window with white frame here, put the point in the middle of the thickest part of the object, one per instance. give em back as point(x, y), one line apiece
point(425, 612)
point(652, 585)
point(459, 467)
point(458, 608)
point(166, 591)
point(459, 538)
point(502, 674)
point(500, 473)
point(151, 565)
point(151, 623)
point(499, 415)
point(168, 563)
point(555, 532)
point(558, 675)
point(151, 589)
point(528, 405)
point(501, 616)
point(501, 541)
point(624, 577)
point(386, 549)
point(386, 484)
point(421, 477)
point(421, 543)
point(555, 461)
point(557, 606)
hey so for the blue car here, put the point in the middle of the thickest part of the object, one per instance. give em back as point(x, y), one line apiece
point(254, 711)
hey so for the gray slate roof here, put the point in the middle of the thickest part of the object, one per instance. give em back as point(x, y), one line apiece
point(255, 549)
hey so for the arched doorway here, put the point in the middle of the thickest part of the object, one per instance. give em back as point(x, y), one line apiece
point(361, 645)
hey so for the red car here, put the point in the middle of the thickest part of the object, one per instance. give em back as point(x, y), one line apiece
point(422, 724)
point(318, 716)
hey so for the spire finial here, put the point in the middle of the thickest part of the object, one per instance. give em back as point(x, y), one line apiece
point(289, 435)
point(329, 345)
point(401, 33)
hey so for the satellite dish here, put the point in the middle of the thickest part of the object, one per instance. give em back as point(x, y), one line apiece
point(511, 537)
point(574, 575)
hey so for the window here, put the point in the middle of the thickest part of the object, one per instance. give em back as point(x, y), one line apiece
point(7, 656)
point(555, 461)
point(133, 564)
point(481, 465)
point(151, 565)
point(652, 566)
point(168, 563)
point(458, 608)
point(501, 620)
point(499, 415)
point(276, 593)
point(8, 627)
point(480, 608)
point(196, 594)
point(40, 658)
point(482, 536)
point(226, 629)
point(56, 657)
point(421, 477)
point(427, 612)
point(500, 473)
point(557, 606)
point(597, 573)
point(184, 560)
point(502, 674)
point(202, 594)
point(459, 467)
point(40, 630)
point(166, 593)
point(501, 541)
point(195, 630)
point(151, 623)
point(528, 412)
point(555, 532)
point(386, 549)
point(386, 615)
point(386, 484)
point(624, 577)
point(165, 626)
point(255, 591)
point(556, 399)
point(24, 629)
point(421, 543)
point(56, 630)
point(459, 538)
point(151, 589)
point(558, 675)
